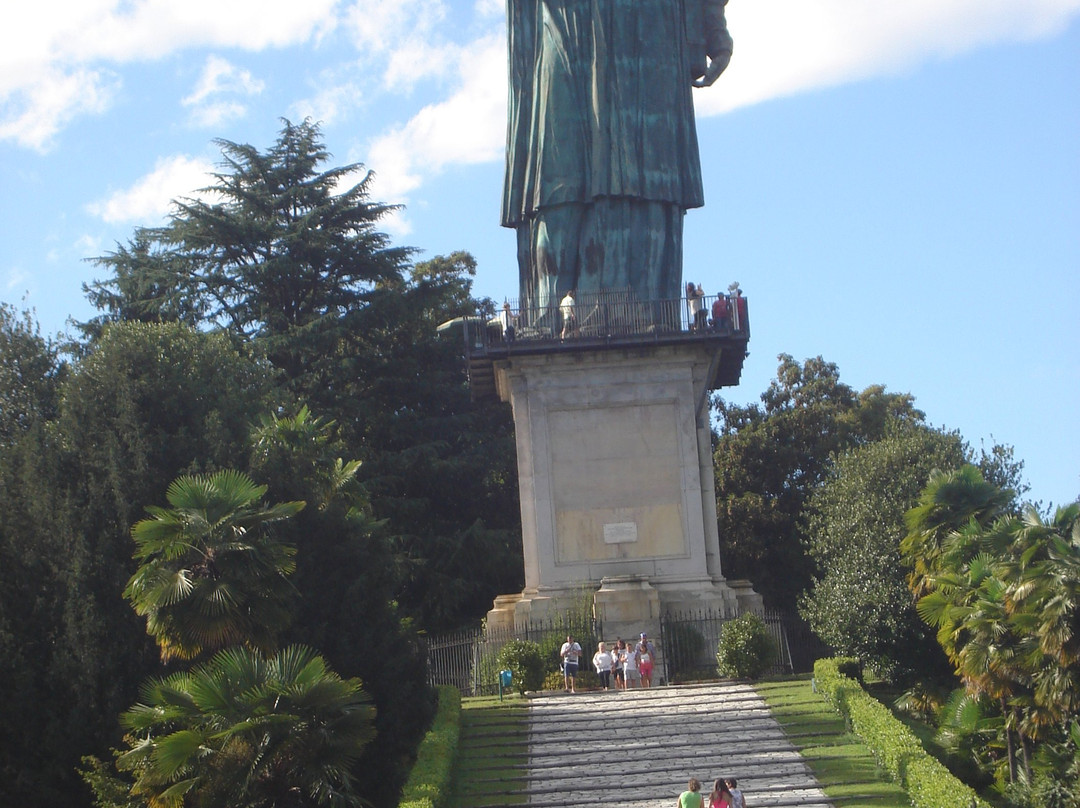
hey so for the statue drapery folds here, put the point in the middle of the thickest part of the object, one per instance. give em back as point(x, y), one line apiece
point(602, 154)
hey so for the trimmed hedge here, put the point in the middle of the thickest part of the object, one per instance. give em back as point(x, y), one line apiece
point(897, 750)
point(429, 781)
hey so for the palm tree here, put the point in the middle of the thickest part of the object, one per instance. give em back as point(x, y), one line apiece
point(249, 732)
point(949, 501)
point(211, 573)
point(1042, 572)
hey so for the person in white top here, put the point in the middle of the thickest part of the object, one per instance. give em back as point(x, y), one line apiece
point(630, 666)
point(603, 661)
point(569, 316)
point(570, 653)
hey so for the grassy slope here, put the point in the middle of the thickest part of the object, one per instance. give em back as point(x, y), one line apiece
point(844, 767)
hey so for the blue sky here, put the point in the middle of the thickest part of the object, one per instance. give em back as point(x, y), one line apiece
point(896, 186)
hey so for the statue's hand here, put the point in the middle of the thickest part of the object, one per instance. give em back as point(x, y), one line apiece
point(715, 68)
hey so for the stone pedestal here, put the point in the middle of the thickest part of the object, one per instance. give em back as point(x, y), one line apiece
point(616, 482)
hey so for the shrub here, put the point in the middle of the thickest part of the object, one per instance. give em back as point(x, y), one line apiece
point(746, 649)
point(429, 781)
point(525, 660)
point(897, 750)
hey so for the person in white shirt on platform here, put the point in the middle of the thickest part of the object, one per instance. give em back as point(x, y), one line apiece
point(570, 653)
point(603, 661)
point(630, 666)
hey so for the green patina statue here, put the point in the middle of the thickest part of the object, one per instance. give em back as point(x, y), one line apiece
point(602, 155)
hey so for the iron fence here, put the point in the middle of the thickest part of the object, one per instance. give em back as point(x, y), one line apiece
point(468, 658)
point(686, 647)
point(690, 639)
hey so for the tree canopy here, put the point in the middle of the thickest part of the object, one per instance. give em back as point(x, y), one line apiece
point(769, 458)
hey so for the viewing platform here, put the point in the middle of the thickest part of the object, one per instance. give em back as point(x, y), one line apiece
point(606, 321)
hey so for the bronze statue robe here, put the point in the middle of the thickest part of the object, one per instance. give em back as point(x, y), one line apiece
point(602, 154)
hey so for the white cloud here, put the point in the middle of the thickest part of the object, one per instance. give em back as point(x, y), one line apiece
point(377, 25)
point(32, 115)
point(490, 8)
point(331, 101)
point(150, 197)
point(787, 46)
point(15, 278)
point(56, 55)
point(220, 77)
point(468, 127)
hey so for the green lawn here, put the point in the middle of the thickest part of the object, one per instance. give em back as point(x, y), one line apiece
point(842, 764)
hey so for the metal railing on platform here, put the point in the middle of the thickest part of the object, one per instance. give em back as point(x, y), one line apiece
point(605, 316)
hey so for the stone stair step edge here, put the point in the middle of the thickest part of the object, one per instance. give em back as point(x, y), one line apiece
point(572, 750)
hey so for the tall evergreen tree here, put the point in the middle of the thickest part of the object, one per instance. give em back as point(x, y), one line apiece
point(769, 458)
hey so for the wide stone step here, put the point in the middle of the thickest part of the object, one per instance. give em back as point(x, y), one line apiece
point(638, 748)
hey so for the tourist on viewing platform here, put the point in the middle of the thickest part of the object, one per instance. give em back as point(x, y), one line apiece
point(646, 659)
point(506, 319)
point(569, 315)
point(691, 798)
point(700, 316)
point(720, 313)
point(740, 310)
point(603, 662)
point(570, 653)
point(695, 302)
point(720, 797)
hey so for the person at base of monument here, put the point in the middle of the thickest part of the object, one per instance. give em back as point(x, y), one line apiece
point(646, 659)
point(691, 798)
point(617, 664)
point(570, 653)
point(630, 666)
point(602, 661)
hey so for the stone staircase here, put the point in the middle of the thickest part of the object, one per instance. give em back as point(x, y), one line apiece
point(638, 749)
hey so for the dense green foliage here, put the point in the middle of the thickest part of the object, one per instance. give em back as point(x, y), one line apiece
point(769, 458)
point(247, 730)
point(897, 750)
point(1002, 591)
point(429, 781)
point(524, 659)
point(860, 604)
point(274, 291)
point(210, 573)
point(746, 649)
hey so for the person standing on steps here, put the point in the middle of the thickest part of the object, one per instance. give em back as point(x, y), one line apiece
point(602, 661)
point(630, 666)
point(570, 653)
point(720, 797)
point(617, 664)
point(646, 659)
point(691, 798)
point(737, 800)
